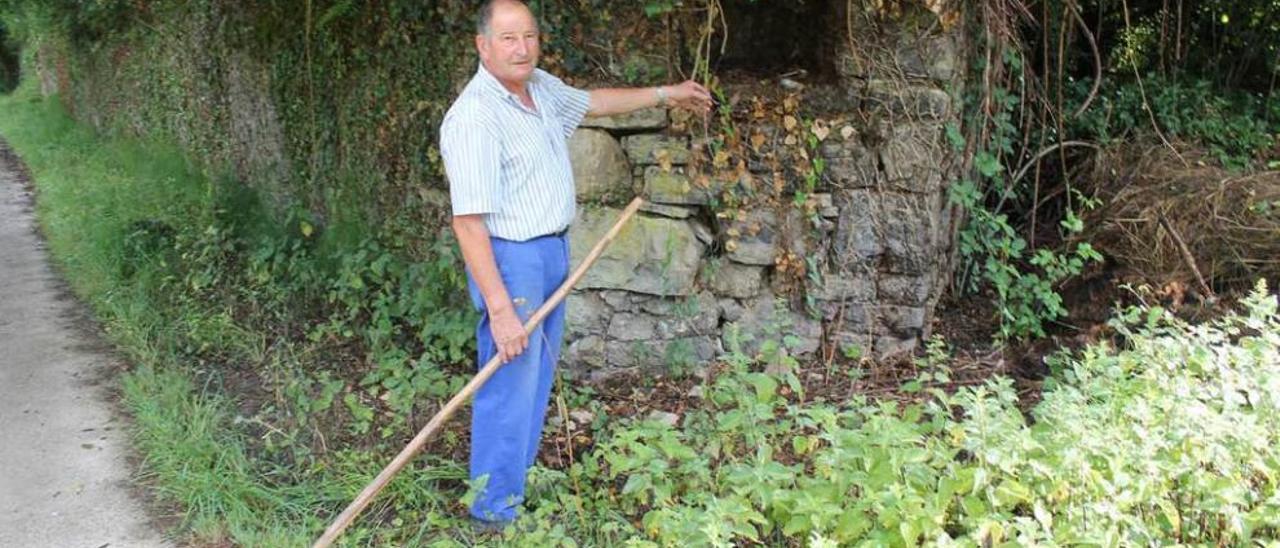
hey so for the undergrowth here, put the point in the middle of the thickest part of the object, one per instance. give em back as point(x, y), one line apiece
point(1165, 437)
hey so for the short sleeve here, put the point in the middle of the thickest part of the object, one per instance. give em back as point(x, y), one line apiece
point(473, 164)
point(571, 103)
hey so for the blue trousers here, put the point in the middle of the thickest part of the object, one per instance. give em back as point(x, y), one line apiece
point(507, 416)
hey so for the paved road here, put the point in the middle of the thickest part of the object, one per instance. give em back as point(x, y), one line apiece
point(64, 479)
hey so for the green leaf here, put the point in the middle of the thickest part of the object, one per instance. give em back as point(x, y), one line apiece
point(987, 164)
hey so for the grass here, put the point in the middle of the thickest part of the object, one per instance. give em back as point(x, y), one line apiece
point(89, 191)
point(92, 191)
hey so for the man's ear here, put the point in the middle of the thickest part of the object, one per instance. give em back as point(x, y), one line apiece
point(482, 46)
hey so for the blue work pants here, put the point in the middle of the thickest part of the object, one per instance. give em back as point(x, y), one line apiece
point(509, 410)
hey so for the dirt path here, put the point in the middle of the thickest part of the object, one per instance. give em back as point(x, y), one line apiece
point(64, 479)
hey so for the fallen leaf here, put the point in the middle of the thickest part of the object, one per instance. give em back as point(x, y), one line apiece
point(789, 122)
point(846, 132)
point(664, 159)
point(721, 160)
point(820, 132)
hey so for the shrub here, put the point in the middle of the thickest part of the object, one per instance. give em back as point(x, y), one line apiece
point(1170, 439)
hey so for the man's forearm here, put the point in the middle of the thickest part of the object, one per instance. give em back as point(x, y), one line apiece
point(477, 253)
point(610, 101)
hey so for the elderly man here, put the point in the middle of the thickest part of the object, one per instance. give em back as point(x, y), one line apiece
point(504, 143)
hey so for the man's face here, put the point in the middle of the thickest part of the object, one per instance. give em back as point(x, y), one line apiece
point(510, 49)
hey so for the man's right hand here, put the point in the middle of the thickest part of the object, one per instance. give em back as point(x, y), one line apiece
point(508, 333)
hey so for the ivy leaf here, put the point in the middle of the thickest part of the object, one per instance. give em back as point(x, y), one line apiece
point(987, 164)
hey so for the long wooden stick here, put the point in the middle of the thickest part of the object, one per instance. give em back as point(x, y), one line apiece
point(370, 491)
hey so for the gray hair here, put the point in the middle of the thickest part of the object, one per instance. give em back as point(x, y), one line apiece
point(485, 14)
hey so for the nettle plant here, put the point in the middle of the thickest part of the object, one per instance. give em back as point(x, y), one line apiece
point(1168, 439)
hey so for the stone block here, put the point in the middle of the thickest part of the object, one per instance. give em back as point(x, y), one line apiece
point(910, 234)
point(696, 315)
point(907, 321)
point(903, 289)
point(629, 326)
point(913, 157)
point(587, 351)
point(647, 119)
point(896, 232)
point(619, 301)
point(825, 206)
point(765, 318)
point(857, 242)
point(913, 102)
point(850, 165)
point(730, 309)
point(753, 238)
point(911, 56)
point(848, 316)
point(858, 287)
point(678, 306)
point(650, 255)
point(888, 346)
point(671, 211)
point(935, 57)
point(737, 280)
point(674, 187)
point(600, 167)
point(653, 148)
point(660, 354)
point(845, 339)
point(585, 314)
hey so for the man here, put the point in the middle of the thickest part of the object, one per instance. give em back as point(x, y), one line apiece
point(505, 150)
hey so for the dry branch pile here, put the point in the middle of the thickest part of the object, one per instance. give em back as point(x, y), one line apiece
point(1192, 223)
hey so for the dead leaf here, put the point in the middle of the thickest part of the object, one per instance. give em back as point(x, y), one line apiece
point(790, 103)
point(821, 132)
point(721, 160)
point(664, 159)
point(846, 132)
point(757, 141)
point(789, 122)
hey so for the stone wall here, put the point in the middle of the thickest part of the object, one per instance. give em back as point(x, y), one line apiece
point(683, 284)
point(862, 264)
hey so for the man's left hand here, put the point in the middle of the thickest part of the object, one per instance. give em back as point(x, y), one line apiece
point(690, 95)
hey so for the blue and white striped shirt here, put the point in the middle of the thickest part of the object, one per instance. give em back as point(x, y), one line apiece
point(511, 163)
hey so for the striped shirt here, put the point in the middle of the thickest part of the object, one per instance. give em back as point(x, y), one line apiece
point(509, 162)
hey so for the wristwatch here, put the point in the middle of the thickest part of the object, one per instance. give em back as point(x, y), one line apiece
point(662, 96)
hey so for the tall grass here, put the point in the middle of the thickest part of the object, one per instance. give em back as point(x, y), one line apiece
point(91, 193)
point(89, 190)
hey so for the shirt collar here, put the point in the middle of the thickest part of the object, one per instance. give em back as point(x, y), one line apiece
point(490, 83)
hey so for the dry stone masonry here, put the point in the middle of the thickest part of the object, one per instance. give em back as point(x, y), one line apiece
point(682, 285)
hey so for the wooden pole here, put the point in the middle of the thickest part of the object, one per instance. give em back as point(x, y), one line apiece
point(370, 491)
